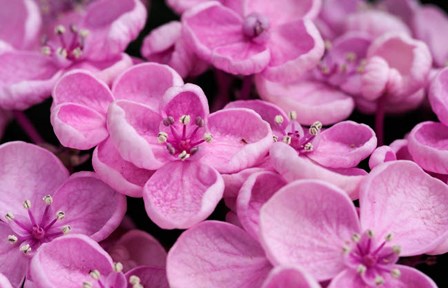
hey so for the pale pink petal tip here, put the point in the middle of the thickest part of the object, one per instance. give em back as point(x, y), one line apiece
point(216, 254)
point(282, 276)
point(438, 95)
point(381, 155)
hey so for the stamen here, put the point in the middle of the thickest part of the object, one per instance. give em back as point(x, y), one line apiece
point(134, 280)
point(46, 50)
point(83, 33)
point(308, 147)
point(87, 285)
point(77, 52)
point(287, 140)
point(361, 269)
point(350, 56)
point(346, 249)
point(118, 267)
point(59, 29)
point(184, 155)
point(356, 237)
point(395, 273)
point(48, 199)
point(95, 274)
point(315, 128)
point(66, 229)
point(60, 215)
point(12, 239)
point(61, 52)
point(275, 138)
point(208, 137)
point(292, 115)
point(370, 233)
point(388, 237)
point(168, 121)
point(27, 204)
point(278, 119)
point(162, 137)
point(379, 280)
point(396, 249)
point(26, 249)
point(199, 122)
point(185, 119)
point(171, 149)
point(9, 216)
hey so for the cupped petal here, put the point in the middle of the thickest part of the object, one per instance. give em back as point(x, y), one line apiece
point(405, 9)
point(150, 277)
point(311, 100)
point(428, 145)
point(188, 99)
point(282, 276)
point(257, 189)
point(294, 167)
point(344, 145)
point(438, 95)
point(306, 223)
point(296, 48)
point(91, 207)
point(121, 175)
point(112, 25)
point(240, 140)
point(284, 11)
point(21, 23)
point(334, 13)
point(412, 278)
point(146, 83)
point(400, 199)
point(159, 44)
point(347, 279)
point(216, 254)
point(78, 126)
point(215, 34)
point(67, 262)
point(179, 6)
point(381, 155)
point(26, 78)
point(133, 130)
point(182, 193)
point(28, 172)
point(374, 79)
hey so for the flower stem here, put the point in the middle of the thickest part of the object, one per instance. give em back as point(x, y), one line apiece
point(28, 127)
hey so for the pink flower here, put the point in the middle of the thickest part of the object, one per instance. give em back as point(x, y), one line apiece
point(47, 204)
point(315, 225)
point(78, 261)
point(217, 254)
point(252, 37)
point(85, 37)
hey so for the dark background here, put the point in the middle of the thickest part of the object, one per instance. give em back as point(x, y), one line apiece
point(395, 127)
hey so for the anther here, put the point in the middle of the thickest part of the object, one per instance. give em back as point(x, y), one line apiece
point(61, 52)
point(388, 237)
point(184, 155)
point(208, 137)
point(66, 229)
point(328, 45)
point(134, 280)
point(9, 216)
point(185, 119)
point(25, 248)
point(59, 29)
point(162, 137)
point(346, 249)
point(77, 52)
point(315, 128)
point(118, 267)
point(356, 237)
point(60, 215)
point(361, 269)
point(292, 115)
point(168, 121)
point(350, 56)
point(278, 119)
point(45, 50)
point(287, 139)
point(199, 122)
point(87, 285)
point(12, 239)
point(379, 280)
point(27, 204)
point(275, 138)
point(308, 147)
point(396, 249)
point(95, 274)
point(370, 233)
point(395, 273)
point(83, 33)
point(194, 150)
point(48, 199)
point(170, 149)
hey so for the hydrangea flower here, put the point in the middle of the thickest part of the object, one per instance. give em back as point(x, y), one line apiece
point(315, 225)
point(75, 36)
point(47, 204)
point(78, 261)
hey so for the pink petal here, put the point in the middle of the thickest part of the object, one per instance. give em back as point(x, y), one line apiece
point(138, 248)
point(240, 139)
point(67, 262)
point(4, 282)
point(31, 172)
point(182, 193)
point(21, 22)
point(133, 130)
point(185, 100)
point(159, 44)
point(306, 223)
point(13, 264)
point(180, 6)
point(284, 11)
point(413, 278)
point(438, 96)
point(216, 254)
point(150, 277)
point(311, 101)
point(281, 277)
point(33, 78)
point(374, 79)
point(348, 279)
point(344, 145)
point(296, 48)
point(381, 155)
point(146, 83)
point(423, 224)
point(428, 23)
point(215, 33)
point(405, 9)
point(428, 145)
point(112, 24)
point(90, 206)
point(121, 175)
point(257, 189)
point(334, 13)
point(293, 167)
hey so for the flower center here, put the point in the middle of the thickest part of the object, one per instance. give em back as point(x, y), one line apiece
point(255, 25)
point(373, 260)
point(29, 232)
point(293, 134)
point(115, 279)
point(67, 45)
point(183, 138)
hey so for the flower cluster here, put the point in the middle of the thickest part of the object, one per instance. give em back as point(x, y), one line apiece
point(282, 173)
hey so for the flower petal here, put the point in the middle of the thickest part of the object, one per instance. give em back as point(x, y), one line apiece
point(306, 223)
point(90, 206)
point(4, 282)
point(438, 96)
point(216, 254)
point(182, 193)
point(282, 276)
point(422, 223)
point(150, 277)
point(185, 100)
point(284, 11)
